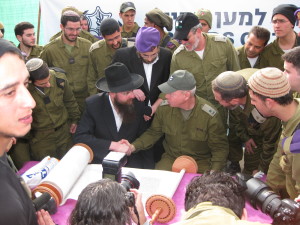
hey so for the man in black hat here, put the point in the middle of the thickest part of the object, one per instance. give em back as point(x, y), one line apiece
point(113, 115)
point(203, 55)
point(102, 52)
point(283, 21)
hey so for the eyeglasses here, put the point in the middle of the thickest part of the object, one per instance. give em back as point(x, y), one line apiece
point(279, 21)
point(73, 29)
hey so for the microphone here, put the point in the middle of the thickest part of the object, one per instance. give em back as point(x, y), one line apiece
point(148, 111)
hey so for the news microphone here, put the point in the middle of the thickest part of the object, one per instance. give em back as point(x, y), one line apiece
point(148, 110)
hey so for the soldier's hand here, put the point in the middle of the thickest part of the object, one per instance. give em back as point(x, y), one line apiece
point(139, 94)
point(249, 146)
point(73, 128)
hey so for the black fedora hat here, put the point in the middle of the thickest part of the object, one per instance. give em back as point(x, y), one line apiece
point(118, 79)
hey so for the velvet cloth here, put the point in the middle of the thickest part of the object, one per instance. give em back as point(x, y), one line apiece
point(63, 212)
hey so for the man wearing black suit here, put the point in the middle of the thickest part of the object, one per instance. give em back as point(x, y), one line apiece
point(113, 115)
point(149, 60)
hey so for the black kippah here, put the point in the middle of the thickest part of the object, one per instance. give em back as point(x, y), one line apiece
point(6, 46)
point(109, 26)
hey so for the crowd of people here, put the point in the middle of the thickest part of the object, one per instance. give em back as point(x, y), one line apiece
point(139, 91)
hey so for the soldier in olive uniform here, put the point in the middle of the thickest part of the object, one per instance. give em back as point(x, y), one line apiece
point(191, 125)
point(158, 19)
point(205, 18)
point(271, 95)
point(71, 53)
point(259, 134)
point(83, 33)
point(102, 52)
point(127, 14)
point(215, 198)
point(203, 55)
point(250, 53)
point(283, 21)
point(25, 34)
point(56, 113)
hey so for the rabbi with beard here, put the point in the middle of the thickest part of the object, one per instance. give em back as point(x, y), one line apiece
point(113, 115)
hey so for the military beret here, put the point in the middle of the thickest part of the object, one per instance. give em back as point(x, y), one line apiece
point(160, 19)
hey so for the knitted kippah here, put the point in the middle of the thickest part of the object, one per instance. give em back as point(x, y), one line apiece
point(229, 81)
point(37, 68)
point(269, 82)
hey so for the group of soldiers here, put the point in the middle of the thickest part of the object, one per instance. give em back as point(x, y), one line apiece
point(64, 72)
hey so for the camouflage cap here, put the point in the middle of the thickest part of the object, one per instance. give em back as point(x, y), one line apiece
point(204, 14)
point(160, 19)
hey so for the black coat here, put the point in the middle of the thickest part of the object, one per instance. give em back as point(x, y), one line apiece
point(160, 70)
point(97, 127)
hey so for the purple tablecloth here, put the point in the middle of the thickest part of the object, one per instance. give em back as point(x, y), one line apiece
point(63, 213)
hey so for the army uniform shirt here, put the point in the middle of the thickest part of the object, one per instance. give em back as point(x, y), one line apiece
point(35, 52)
point(75, 64)
point(244, 62)
point(265, 135)
point(219, 56)
point(271, 56)
point(83, 34)
point(284, 170)
point(205, 213)
point(169, 43)
point(56, 108)
point(202, 136)
point(100, 56)
point(131, 33)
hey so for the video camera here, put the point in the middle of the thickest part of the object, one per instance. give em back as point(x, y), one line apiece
point(262, 197)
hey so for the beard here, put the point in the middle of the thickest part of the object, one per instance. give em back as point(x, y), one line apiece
point(126, 110)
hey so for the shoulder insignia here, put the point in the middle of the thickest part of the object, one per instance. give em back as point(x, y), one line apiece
point(96, 45)
point(179, 49)
point(170, 45)
point(220, 38)
point(57, 69)
point(60, 82)
point(209, 110)
point(164, 102)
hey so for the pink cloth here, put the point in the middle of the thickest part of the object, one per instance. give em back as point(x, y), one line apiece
point(63, 212)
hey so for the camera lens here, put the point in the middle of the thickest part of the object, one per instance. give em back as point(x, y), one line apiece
point(260, 196)
point(128, 181)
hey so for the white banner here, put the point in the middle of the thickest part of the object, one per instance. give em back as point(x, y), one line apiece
point(231, 18)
